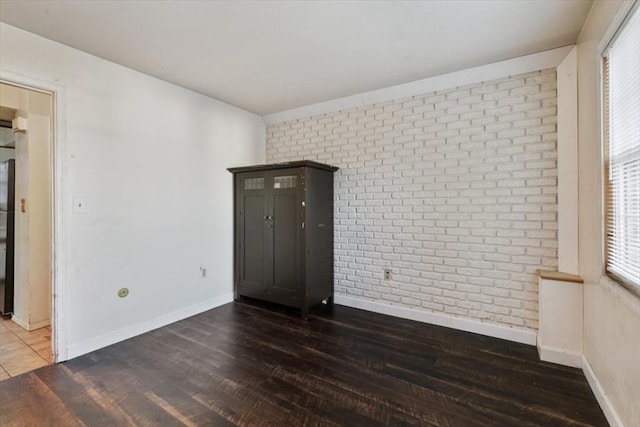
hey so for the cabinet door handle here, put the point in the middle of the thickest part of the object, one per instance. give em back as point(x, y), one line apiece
point(268, 217)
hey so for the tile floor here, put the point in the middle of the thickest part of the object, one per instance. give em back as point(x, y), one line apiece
point(22, 351)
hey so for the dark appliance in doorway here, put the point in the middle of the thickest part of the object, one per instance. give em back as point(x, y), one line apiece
point(7, 234)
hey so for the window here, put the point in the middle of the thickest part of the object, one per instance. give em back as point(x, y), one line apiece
point(254, 183)
point(289, 181)
point(621, 90)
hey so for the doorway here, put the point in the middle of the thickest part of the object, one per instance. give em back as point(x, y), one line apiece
point(26, 324)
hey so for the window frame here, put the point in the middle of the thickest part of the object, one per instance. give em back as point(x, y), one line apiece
point(622, 18)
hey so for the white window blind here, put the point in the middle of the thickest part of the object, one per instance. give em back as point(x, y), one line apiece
point(622, 152)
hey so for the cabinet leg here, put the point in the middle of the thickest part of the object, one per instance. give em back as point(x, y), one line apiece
point(328, 301)
point(304, 312)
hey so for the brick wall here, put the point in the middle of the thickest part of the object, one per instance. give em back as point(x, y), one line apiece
point(455, 191)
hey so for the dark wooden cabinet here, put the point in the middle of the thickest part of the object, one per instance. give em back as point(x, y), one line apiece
point(283, 233)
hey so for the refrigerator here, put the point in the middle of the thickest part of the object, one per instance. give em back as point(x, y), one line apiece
point(7, 234)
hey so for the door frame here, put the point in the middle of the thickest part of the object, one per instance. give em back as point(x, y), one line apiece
point(59, 282)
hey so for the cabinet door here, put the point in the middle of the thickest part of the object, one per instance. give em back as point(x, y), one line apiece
point(251, 200)
point(285, 239)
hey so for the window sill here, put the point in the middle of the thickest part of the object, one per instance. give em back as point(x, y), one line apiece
point(559, 276)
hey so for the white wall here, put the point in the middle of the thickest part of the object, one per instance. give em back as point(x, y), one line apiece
point(149, 160)
point(455, 191)
point(612, 315)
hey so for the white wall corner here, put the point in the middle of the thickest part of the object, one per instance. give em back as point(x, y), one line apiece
point(603, 400)
point(523, 336)
point(567, 75)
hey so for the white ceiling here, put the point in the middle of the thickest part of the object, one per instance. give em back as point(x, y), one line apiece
point(270, 56)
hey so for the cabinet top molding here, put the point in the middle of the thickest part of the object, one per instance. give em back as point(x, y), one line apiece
point(286, 165)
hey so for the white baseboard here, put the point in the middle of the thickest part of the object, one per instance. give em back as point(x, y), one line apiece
point(558, 355)
point(122, 334)
point(607, 407)
point(30, 326)
point(489, 329)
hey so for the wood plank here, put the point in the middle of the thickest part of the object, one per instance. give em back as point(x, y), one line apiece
point(77, 399)
point(4, 374)
point(27, 401)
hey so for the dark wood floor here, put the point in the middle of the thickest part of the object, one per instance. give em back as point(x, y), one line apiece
point(252, 364)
